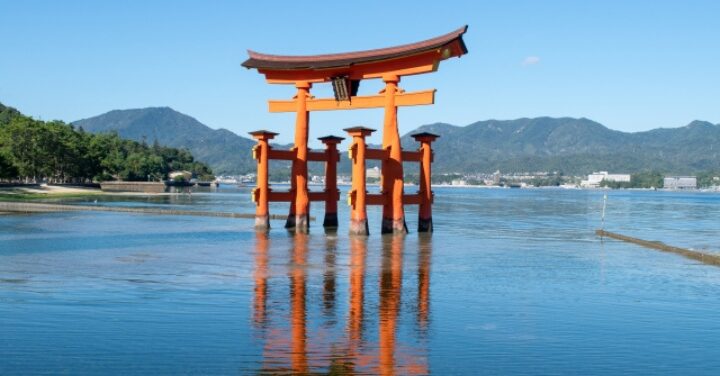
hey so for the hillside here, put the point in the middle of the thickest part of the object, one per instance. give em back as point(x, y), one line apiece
point(224, 151)
point(55, 152)
point(574, 146)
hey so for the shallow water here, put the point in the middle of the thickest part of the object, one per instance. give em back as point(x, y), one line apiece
point(511, 282)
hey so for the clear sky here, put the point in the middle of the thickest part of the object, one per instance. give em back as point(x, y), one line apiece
point(630, 65)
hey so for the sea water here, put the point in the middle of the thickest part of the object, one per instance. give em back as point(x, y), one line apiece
point(512, 281)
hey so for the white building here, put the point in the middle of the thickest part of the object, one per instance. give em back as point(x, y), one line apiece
point(372, 173)
point(680, 182)
point(594, 179)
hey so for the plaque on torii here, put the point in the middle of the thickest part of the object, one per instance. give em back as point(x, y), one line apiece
point(345, 71)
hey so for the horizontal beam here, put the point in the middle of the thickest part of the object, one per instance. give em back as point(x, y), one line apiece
point(319, 196)
point(416, 98)
point(280, 196)
point(412, 199)
point(425, 62)
point(317, 156)
point(377, 154)
point(411, 156)
point(286, 196)
point(375, 199)
point(287, 155)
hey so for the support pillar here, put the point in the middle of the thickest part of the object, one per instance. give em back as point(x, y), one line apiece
point(393, 219)
point(331, 190)
point(358, 193)
point(299, 216)
point(425, 223)
point(261, 193)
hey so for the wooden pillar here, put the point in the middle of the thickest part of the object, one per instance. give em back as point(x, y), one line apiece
point(261, 193)
point(393, 219)
point(425, 223)
point(299, 215)
point(356, 196)
point(333, 195)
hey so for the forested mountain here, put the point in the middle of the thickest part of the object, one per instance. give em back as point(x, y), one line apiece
point(573, 146)
point(224, 151)
point(570, 145)
point(33, 150)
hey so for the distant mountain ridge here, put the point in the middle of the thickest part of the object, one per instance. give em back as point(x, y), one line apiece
point(224, 151)
point(571, 145)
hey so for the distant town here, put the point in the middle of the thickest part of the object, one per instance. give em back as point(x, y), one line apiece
point(595, 180)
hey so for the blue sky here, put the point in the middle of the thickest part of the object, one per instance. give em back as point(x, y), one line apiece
point(630, 65)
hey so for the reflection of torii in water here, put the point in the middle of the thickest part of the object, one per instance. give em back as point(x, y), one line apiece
point(288, 352)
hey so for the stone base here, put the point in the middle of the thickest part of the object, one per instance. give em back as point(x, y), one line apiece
point(331, 220)
point(359, 227)
point(302, 223)
point(425, 225)
point(394, 226)
point(262, 222)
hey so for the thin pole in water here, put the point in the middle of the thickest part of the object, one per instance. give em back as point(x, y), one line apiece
point(602, 218)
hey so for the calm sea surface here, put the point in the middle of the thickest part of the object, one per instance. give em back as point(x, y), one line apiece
point(511, 282)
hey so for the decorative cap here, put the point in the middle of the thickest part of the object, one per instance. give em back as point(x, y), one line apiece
point(263, 134)
point(331, 138)
point(424, 136)
point(359, 129)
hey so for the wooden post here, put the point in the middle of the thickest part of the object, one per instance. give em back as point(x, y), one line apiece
point(261, 193)
point(358, 193)
point(298, 217)
point(333, 195)
point(393, 219)
point(425, 223)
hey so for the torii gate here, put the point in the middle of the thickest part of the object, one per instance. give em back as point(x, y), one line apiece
point(345, 71)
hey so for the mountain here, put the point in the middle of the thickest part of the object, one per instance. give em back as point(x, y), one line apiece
point(574, 146)
point(224, 151)
point(570, 145)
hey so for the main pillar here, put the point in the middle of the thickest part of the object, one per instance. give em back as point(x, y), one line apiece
point(262, 192)
point(393, 218)
point(358, 193)
point(425, 223)
point(332, 194)
point(298, 217)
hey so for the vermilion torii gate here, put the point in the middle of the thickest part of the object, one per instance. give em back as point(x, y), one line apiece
point(345, 71)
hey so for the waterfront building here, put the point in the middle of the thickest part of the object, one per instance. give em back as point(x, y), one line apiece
point(680, 182)
point(595, 179)
point(373, 173)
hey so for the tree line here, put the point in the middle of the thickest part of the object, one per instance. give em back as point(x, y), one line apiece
point(53, 151)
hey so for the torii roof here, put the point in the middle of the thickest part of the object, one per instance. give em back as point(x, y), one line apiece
point(452, 42)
